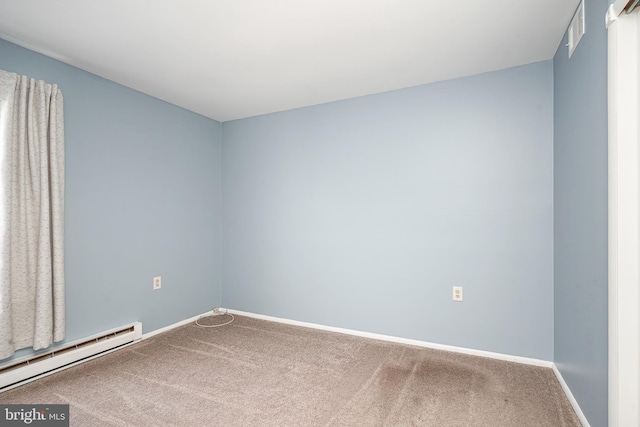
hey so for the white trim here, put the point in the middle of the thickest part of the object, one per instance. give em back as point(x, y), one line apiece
point(473, 352)
point(610, 16)
point(613, 372)
point(619, 6)
point(624, 220)
point(572, 399)
point(425, 344)
point(387, 338)
point(614, 10)
point(174, 325)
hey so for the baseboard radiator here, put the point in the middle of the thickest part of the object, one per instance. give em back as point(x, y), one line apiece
point(22, 370)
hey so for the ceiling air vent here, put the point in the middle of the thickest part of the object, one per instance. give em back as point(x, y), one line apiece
point(576, 29)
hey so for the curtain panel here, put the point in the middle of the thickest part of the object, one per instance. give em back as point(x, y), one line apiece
point(32, 309)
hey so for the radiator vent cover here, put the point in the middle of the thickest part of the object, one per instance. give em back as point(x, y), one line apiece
point(20, 371)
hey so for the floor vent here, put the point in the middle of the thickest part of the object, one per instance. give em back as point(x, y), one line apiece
point(23, 370)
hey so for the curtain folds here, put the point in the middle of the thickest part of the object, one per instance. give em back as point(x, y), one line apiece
point(32, 310)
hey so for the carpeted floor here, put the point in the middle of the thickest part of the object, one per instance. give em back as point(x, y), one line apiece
point(258, 373)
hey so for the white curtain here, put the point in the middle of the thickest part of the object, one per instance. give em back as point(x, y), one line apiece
point(32, 310)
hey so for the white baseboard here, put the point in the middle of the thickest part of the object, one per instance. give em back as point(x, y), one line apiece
point(481, 353)
point(572, 400)
point(174, 325)
point(389, 338)
point(463, 350)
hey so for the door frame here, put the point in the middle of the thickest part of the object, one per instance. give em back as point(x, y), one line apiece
point(624, 215)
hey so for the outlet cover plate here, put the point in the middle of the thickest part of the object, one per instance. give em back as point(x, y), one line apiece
point(457, 293)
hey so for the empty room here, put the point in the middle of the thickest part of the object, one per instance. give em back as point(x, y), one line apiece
point(319, 213)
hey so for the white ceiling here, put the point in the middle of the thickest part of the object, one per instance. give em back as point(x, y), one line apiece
point(229, 59)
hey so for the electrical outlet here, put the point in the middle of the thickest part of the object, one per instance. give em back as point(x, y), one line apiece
point(157, 282)
point(457, 293)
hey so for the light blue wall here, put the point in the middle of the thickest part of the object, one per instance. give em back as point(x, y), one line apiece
point(364, 213)
point(142, 199)
point(359, 214)
point(580, 215)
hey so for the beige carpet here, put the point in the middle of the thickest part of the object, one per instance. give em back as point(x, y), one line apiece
point(258, 373)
